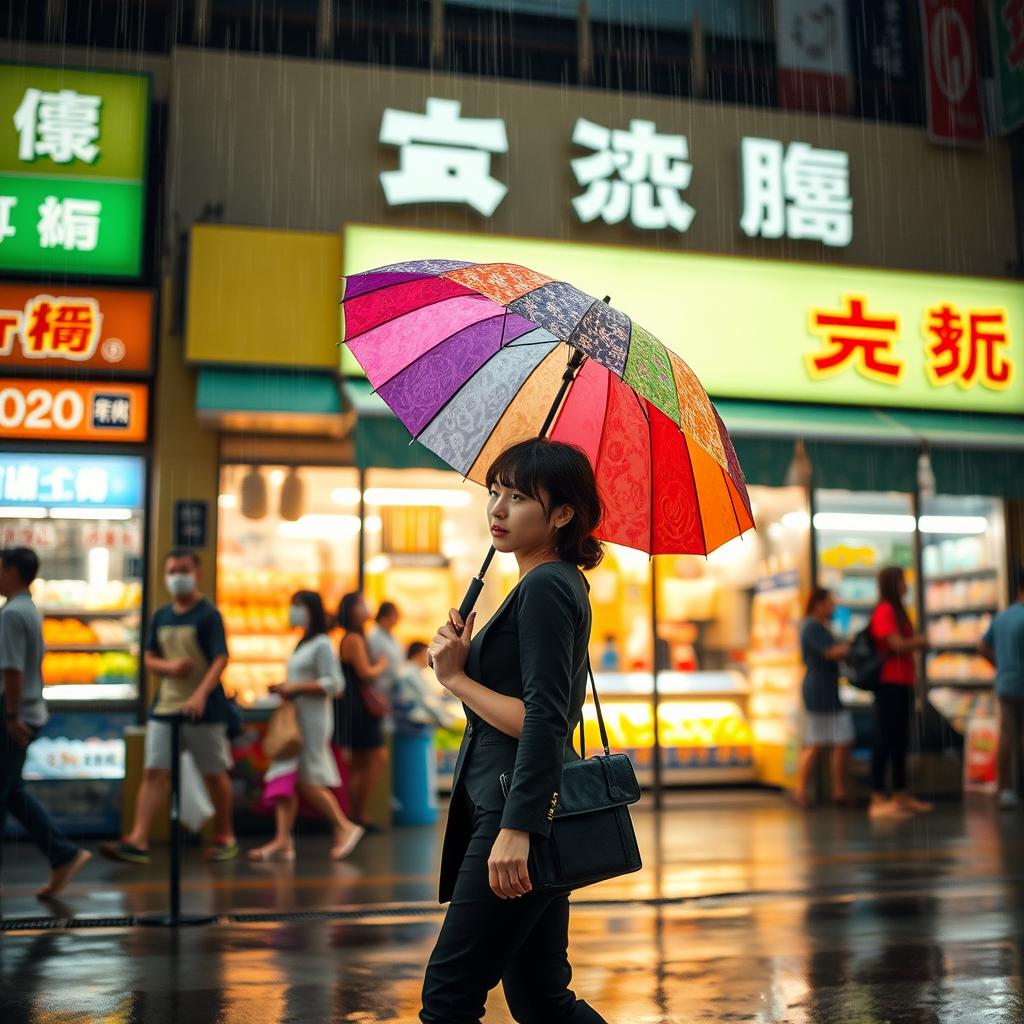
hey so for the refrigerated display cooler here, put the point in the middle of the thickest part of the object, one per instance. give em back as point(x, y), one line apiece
point(85, 517)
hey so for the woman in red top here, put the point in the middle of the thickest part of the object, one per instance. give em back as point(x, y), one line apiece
point(894, 699)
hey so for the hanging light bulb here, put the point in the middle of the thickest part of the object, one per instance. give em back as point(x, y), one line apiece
point(801, 471)
point(292, 496)
point(253, 494)
point(925, 473)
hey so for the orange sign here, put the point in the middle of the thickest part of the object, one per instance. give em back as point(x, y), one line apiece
point(73, 410)
point(71, 328)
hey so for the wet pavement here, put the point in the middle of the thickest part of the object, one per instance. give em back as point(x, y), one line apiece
point(747, 910)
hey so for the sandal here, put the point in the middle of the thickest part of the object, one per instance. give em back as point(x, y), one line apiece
point(342, 850)
point(265, 855)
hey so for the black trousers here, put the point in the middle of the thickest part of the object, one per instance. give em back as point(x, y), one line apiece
point(894, 707)
point(520, 942)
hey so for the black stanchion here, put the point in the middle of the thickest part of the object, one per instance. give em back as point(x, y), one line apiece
point(174, 918)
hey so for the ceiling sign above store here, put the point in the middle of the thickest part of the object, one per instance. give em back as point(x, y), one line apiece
point(776, 330)
point(634, 172)
point(64, 330)
point(73, 150)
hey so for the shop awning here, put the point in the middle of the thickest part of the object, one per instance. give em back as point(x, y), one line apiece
point(971, 454)
point(382, 442)
point(273, 401)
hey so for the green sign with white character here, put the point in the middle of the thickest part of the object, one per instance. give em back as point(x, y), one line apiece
point(73, 152)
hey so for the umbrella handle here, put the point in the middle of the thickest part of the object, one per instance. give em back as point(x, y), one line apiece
point(476, 584)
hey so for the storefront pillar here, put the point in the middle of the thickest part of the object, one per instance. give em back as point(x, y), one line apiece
point(185, 459)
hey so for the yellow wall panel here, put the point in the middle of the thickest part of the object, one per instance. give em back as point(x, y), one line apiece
point(263, 297)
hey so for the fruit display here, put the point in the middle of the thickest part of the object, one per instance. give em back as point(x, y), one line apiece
point(84, 668)
point(958, 629)
point(112, 596)
point(73, 632)
point(954, 595)
point(954, 667)
point(248, 683)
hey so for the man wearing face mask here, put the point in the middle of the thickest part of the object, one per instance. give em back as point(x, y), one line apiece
point(188, 651)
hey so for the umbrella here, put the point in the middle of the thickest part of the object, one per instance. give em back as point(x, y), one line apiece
point(475, 357)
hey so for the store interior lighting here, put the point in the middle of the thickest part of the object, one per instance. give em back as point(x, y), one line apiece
point(113, 514)
point(254, 494)
point(327, 527)
point(292, 496)
point(378, 564)
point(953, 524)
point(863, 522)
point(23, 512)
point(227, 501)
point(98, 567)
point(277, 477)
point(796, 520)
point(409, 497)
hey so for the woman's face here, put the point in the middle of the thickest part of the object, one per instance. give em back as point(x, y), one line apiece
point(519, 523)
point(827, 608)
point(359, 614)
point(901, 585)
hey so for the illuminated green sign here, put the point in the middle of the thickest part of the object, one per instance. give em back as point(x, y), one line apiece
point(774, 330)
point(72, 170)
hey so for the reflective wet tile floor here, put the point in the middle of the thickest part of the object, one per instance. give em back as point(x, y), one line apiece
point(747, 910)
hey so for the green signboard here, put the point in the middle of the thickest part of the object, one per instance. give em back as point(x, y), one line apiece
point(774, 330)
point(1008, 34)
point(73, 150)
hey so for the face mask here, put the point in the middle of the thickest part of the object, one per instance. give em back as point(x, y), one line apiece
point(180, 584)
point(298, 617)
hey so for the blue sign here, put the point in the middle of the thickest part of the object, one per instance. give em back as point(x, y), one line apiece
point(71, 481)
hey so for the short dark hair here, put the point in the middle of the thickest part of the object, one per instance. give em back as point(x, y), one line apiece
point(183, 553)
point(564, 471)
point(816, 596)
point(416, 647)
point(386, 608)
point(24, 561)
point(317, 624)
point(889, 580)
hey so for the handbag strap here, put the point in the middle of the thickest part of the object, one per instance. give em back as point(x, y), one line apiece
point(600, 717)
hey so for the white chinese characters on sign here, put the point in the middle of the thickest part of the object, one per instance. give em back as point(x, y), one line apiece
point(7, 205)
point(69, 224)
point(800, 192)
point(638, 173)
point(24, 483)
point(63, 126)
point(444, 157)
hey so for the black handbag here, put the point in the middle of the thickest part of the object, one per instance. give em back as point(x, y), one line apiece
point(592, 836)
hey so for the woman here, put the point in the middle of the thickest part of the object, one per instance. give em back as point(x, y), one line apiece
point(523, 681)
point(312, 679)
point(897, 642)
point(828, 723)
point(359, 722)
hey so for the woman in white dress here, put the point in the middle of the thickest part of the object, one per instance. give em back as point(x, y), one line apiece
point(313, 679)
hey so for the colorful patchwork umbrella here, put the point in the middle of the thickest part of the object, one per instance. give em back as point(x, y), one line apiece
point(473, 358)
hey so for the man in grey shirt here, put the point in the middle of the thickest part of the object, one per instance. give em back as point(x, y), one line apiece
point(21, 661)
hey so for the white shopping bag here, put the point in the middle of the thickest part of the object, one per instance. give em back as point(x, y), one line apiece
point(196, 808)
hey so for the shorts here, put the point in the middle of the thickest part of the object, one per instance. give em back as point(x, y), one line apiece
point(828, 729)
point(207, 742)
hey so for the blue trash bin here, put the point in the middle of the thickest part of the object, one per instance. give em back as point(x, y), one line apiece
point(414, 775)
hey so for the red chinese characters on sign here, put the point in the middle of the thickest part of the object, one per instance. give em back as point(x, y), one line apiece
point(62, 328)
point(968, 351)
point(53, 328)
point(855, 338)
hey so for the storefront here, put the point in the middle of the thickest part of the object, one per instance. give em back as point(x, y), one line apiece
point(76, 361)
point(759, 246)
point(909, 472)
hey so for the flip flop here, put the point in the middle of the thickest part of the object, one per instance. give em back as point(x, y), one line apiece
point(263, 856)
point(342, 851)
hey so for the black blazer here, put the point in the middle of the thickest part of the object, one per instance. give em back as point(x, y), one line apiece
point(535, 648)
